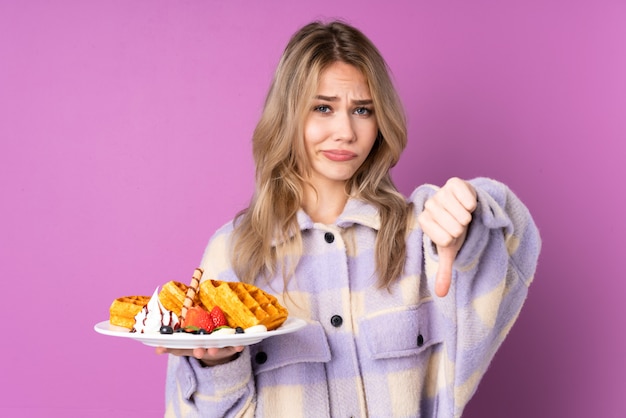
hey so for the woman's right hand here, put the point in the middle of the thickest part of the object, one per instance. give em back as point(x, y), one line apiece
point(207, 356)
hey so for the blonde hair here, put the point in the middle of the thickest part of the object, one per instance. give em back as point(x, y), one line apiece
point(267, 236)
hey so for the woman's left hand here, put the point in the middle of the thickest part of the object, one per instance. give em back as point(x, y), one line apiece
point(207, 356)
point(445, 219)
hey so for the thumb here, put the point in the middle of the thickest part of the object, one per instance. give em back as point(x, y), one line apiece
point(444, 271)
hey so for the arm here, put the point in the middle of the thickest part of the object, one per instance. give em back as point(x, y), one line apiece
point(210, 382)
point(489, 277)
point(193, 390)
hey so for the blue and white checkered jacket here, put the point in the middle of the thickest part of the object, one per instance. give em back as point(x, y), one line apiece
point(367, 351)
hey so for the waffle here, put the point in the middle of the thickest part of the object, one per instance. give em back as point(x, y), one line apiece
point(172, 296)
point(123, 310)
point(244, 305)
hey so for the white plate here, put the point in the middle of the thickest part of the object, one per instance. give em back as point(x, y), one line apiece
point(185, 340)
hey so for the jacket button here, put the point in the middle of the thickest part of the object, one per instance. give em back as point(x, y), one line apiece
point(329, 237)
point(260, 357)
point(336, 321)
point(420, 340)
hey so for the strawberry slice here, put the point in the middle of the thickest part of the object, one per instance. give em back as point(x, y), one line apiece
point(218, 318)
point(198, 318)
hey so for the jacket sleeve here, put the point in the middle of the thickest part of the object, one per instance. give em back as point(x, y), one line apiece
point(491, 275)
point(220, 391)
point(227, 390)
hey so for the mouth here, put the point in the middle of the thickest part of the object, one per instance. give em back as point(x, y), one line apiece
point(339, 155)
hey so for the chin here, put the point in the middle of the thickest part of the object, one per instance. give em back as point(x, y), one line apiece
point(341, 178)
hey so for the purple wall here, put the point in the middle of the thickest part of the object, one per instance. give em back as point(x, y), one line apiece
point(124, 143)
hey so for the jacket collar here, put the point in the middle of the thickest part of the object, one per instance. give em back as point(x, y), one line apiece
point(356, 212)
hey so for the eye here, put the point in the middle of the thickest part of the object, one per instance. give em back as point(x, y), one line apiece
point(322, 109)
point(363, 111)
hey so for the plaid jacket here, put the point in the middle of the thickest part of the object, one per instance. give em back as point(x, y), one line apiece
point(366, 351)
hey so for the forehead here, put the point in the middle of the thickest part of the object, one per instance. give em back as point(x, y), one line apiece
point(340, 77)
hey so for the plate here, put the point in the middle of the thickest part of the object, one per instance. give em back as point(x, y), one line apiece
point(187, 341)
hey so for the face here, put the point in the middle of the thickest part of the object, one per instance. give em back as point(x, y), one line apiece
point(340, 128)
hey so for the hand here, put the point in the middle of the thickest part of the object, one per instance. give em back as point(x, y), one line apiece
point(208, 356)
point(445, 219)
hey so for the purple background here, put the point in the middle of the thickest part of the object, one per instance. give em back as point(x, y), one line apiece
point(125, 142)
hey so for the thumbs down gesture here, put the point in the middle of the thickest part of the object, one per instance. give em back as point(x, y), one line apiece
point(445, 220)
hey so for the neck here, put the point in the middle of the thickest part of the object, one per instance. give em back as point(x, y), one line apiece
point(325, 204)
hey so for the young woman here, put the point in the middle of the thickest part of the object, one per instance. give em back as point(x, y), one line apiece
point(406, 300)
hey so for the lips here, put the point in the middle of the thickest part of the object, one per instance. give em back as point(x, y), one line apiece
point(339, 155)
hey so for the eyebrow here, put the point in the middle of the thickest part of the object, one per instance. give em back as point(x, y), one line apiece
point(335, 98)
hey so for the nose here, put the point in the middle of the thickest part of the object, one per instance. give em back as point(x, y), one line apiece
point(343, 129)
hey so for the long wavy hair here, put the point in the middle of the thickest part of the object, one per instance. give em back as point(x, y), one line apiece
point(267, 237)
